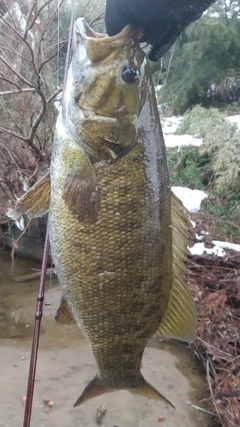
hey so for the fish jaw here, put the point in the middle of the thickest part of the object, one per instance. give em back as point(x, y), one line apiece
point(100, 109)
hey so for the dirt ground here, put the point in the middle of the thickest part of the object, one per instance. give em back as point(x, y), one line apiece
point(65, 366)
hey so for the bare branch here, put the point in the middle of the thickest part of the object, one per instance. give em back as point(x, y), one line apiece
point(47, 25)
point(11, 50)
point(10, 156)
point(37, 14)
point(10, 114)
point(11, 132)
point(11, 92)
point(6, 62)
point(64, 43)
point(32, 21)
point(23, 138)
point(38, 118)
point(13, 27)
point(11, 82)
point(24, 40)
point(56, 93)
point(86, 7)
point(9, 13)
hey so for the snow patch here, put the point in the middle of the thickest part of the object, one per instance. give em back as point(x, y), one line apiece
point(185, 140)
point(234, 120)
point(199, 249)
point(191, 199)
point(227, 245)
point(170, 126)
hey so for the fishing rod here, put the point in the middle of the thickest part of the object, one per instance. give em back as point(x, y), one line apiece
point(40, 296)
point(36, 332)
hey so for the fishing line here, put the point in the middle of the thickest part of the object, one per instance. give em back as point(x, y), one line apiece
point(40, 296)
point(58, 42)
point(69, 45)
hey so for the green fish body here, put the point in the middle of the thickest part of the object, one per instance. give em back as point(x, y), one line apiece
point(118, 236)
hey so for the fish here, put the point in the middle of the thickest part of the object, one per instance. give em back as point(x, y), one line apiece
point(118, 234)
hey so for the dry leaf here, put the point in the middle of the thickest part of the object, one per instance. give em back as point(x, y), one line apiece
point(101, 411)
point(48, 404)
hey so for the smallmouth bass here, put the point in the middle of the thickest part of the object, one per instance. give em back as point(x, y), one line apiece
point(118, 235)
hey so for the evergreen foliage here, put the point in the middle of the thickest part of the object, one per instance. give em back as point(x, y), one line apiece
point(204, 65)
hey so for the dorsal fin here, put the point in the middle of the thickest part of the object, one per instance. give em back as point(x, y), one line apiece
point(179, 319)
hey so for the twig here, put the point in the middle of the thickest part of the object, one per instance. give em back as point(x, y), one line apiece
point(201, 409)
point(216, 349)
point(11, 92)
point(212, 395)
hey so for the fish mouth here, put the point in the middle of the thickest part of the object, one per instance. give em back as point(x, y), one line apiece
point(99, 46)
point(85, 31)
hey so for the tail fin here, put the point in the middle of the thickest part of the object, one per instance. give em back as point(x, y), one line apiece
point(96, 388)
point(150, 392)
point(93, 389)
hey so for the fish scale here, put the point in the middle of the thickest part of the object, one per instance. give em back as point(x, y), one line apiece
point(120, 250)
point(118, 235)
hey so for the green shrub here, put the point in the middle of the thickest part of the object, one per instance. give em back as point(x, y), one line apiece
point(214, 167)
point(188, 168)
point(221, 146)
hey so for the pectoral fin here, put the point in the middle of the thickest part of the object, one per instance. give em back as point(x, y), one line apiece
point(35, 202)
point(179, 319)
point(80, 193)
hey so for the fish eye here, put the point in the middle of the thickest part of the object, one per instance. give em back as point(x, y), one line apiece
point(129, 74)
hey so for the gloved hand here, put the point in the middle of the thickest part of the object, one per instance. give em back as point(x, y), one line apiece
point(157, 22)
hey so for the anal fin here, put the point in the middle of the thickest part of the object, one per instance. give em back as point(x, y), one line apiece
point(179, 320)
point(64, 314)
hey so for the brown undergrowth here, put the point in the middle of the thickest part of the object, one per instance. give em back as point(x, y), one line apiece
point(215, 285)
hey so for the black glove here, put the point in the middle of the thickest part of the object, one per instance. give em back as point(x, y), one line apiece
point(159, 22)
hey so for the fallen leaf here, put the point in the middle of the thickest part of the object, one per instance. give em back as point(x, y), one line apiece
point(101, 411)
point(161, 419)
point(48, 404)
